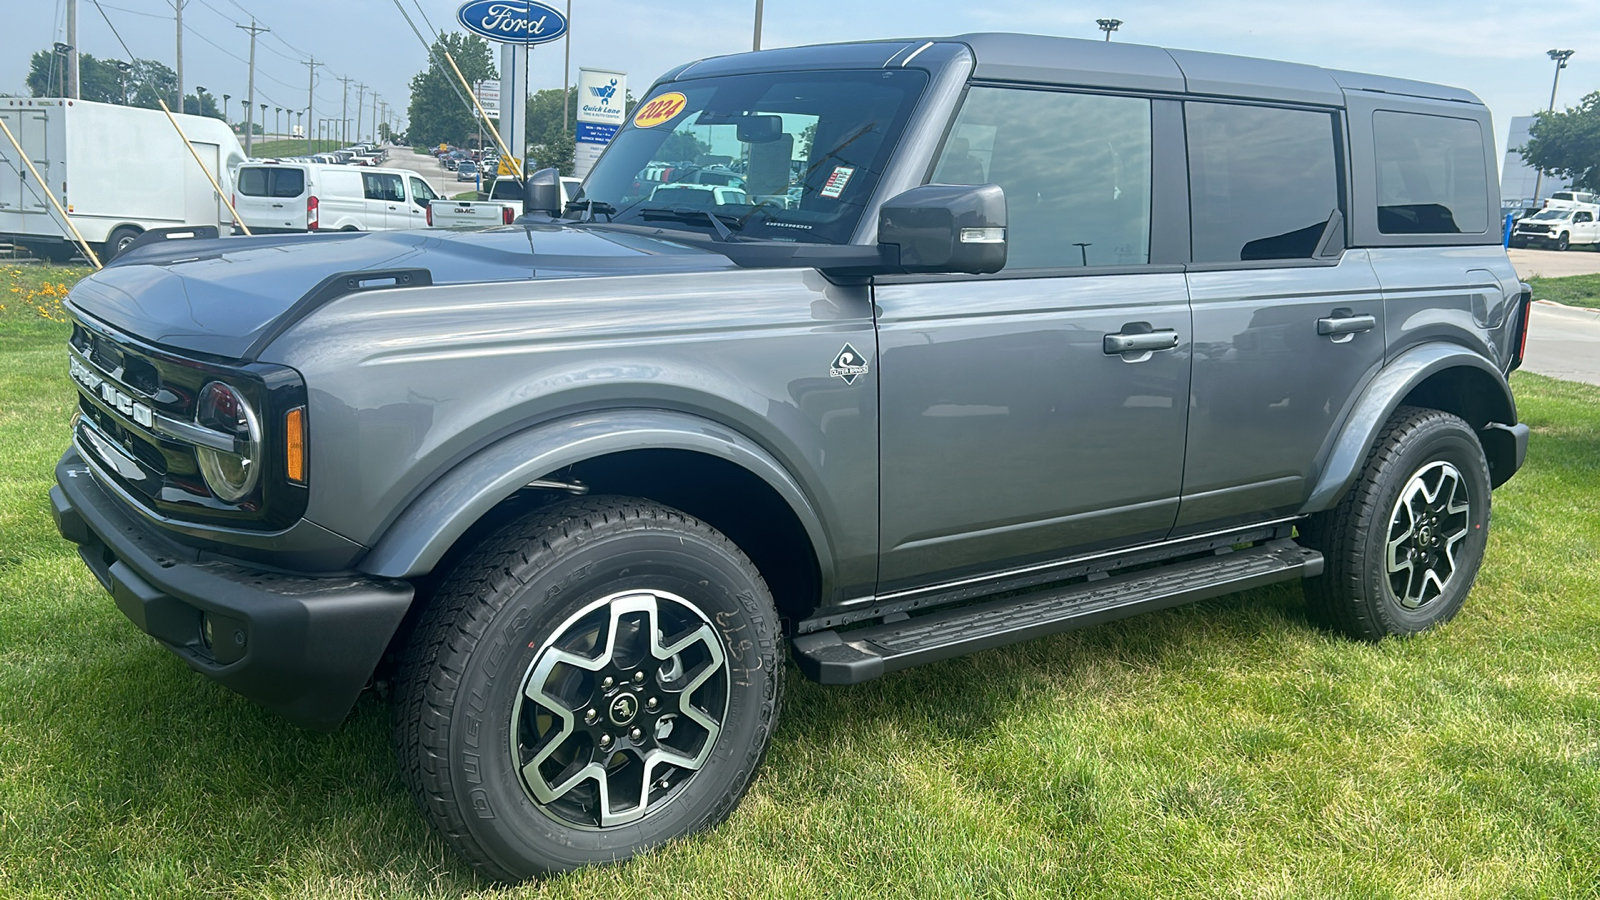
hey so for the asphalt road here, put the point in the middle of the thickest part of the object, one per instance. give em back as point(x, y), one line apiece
point(1564, 342)
point(443, 182)
point(1553, 263)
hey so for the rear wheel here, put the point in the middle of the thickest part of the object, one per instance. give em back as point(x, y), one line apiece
point(601, 677)
point(119, 241)
point(1404, 546)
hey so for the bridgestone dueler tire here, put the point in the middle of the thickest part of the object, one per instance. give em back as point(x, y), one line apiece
point(1353, 594)
point(473, 647)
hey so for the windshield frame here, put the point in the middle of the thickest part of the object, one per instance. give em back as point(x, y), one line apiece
point(890, 121)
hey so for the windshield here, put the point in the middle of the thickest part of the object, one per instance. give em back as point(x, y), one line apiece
point(1552, 214)
point(791, 156)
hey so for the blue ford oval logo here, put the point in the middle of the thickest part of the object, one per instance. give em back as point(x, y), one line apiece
point(512, 21)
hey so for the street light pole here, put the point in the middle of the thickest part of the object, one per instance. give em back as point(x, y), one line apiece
point(225, 99)
point(1108, 26)
point(1560, 57)
point(756, 43)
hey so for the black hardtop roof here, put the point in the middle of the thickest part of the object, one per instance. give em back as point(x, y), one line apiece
point(1077, 62)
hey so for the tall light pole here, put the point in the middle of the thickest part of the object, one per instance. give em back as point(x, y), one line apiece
point(1560, 57)
point(225, 99)
point(566, 76)
point(1108, 26)
point(124, 69)
point(249, 115)
point(755, 44)
point(277, 121)
point(64, 52)
point(301, 115)
point(199, 99)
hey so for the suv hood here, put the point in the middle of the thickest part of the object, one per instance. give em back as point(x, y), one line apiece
point(217, 297)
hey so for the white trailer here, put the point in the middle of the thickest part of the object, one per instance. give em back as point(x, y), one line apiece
point(119, 171)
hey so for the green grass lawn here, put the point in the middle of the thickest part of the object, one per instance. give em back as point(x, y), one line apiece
point(1575, 290)
point(295, 147)
point(1221, 750)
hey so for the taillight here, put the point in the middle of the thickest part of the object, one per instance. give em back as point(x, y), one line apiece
point(430, 215)
point(506, 216)
point(311, 213)
point(1526, 299)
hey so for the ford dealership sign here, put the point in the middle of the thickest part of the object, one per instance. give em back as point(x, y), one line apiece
point(513, 21)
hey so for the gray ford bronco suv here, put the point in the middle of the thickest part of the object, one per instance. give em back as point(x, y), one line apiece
point(864, 355)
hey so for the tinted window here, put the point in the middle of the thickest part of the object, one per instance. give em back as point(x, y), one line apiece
point(1075, 169)
point(382, 186)
point(1431, 177)
point(253, 182)
point(288, 182)
point(1263, 182)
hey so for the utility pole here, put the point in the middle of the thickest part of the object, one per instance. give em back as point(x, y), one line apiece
point(1560, 57)
point(178, 5)
point(566, 75)
point(756, 44)
point(72, 55)
point(249, 104)
point(361, 97)
point(311, 97)
point(375, 117)
point(344, 108)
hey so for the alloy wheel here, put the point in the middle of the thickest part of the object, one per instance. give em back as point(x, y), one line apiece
point(1431, 518)
point(619, 709)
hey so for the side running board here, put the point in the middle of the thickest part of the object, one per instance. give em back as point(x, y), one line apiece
point(851, 657)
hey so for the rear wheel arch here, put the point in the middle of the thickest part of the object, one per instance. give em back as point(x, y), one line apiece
point(1440, 376)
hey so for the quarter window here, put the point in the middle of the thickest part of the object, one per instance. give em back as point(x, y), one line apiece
point(1075, 169)
point(1431, 175)
point(1263, 181)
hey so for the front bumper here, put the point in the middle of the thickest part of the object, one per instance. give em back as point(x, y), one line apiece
point(301, 646)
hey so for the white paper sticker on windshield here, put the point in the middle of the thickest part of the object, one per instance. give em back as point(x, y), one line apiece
point(834, 189)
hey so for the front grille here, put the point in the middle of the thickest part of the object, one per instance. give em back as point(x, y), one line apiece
point(136, 409)
point(1534, 229)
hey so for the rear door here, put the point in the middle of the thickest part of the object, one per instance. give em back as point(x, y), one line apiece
point(1010, 435)
point(1288, 325)
point(271, 197)
point(19, 192)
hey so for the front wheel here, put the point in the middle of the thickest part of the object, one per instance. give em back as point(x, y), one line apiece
point(1563, 242)
point(601, 677)
point(1404, 545)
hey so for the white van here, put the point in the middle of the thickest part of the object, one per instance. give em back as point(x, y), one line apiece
point(301, 196)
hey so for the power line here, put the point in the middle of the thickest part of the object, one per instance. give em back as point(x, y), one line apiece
point(114, 33)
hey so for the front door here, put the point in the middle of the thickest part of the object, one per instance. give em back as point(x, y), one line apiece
point(386, 201)
point(421, 196)
point(1014, 430)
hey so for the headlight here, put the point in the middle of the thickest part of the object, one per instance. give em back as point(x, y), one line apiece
point(231, 476)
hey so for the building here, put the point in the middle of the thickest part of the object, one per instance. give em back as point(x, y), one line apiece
point(1517, 178)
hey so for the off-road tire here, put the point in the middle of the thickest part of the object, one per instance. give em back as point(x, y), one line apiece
point(472, 655)
point(1355, 595)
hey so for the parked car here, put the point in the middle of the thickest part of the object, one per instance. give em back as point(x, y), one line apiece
point(467, 170)
point(292, 197)
point(698, 195)
point(1558, 228)
point(1059, 332)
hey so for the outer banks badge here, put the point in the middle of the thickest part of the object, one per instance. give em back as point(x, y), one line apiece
point(848, 365)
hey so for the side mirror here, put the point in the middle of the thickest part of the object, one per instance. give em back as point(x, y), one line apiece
point(944, 229)
point(541, 193)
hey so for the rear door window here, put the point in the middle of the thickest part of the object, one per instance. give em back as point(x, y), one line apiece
point(253, 181)
point(1431, 175)
point(1263, 181)
point(383, 186)
point(288, 182)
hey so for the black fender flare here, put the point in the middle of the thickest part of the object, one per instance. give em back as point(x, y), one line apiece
point(1343, 458)
point(421, 535)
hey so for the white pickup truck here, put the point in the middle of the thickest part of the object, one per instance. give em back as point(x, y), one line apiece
point(501, 208)
point(1559, 228)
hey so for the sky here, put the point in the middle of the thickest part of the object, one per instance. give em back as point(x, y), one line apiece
point(1494, 48)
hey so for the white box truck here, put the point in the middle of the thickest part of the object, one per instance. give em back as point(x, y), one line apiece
point(119, 171)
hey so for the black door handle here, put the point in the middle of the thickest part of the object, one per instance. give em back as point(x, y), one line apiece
point(1118, 344)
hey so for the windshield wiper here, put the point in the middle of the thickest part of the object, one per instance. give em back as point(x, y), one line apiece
point(690, 213)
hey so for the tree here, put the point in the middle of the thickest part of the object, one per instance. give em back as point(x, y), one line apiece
point(437, 112)
point(206, 106)
point(1567, 143)
point(547, 142)
point(102, 81)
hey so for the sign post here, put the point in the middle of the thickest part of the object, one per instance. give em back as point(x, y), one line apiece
point(602, 107)
point(517, 25)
